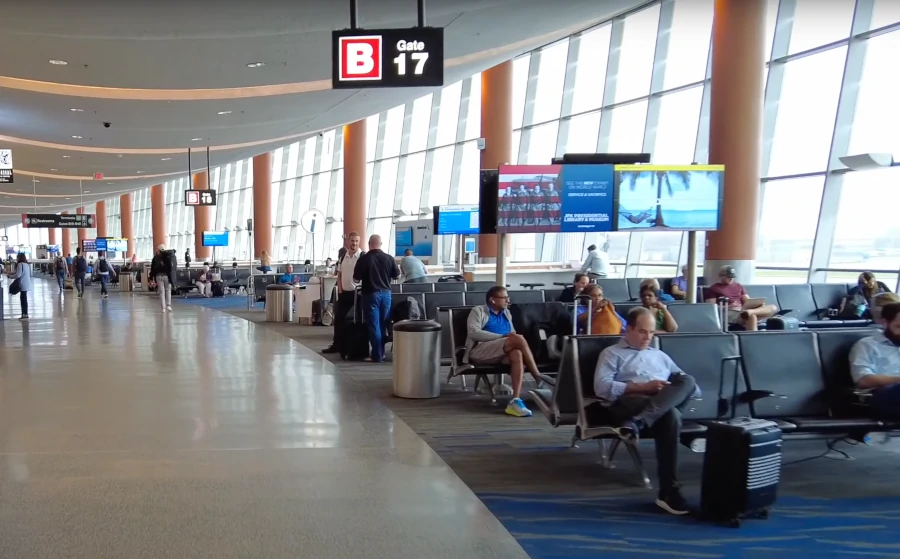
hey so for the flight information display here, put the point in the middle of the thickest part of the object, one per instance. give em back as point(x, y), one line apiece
point(457, 220)
point(215, 238)
point(555, 198)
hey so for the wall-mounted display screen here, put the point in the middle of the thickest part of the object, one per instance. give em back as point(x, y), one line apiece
point(117, 245)
point(456, 220)
point(555, 198)
point(666, 197)
point(403, 237)
point(215, 238)
point(89, 245)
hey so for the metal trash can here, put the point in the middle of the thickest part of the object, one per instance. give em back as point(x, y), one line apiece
point(279, 303)
point(126, 281)
point(417, 359)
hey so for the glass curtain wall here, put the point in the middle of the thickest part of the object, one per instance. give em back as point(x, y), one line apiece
point(637, 83)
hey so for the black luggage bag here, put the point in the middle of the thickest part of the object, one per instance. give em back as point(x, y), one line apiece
point(218, 289)
point(355, 336)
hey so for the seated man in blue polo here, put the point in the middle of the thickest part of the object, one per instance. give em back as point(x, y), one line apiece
point(875, 364)
point(640, 387)
point(288, 276)
point(492, 340)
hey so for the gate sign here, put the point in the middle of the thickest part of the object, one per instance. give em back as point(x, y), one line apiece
point(411, 57)
point(6, 166)
point(199, 197)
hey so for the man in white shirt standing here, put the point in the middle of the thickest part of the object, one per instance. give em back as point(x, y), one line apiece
point(596, 263)
point(346, 290)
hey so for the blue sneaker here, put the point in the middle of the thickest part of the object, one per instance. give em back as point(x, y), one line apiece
point(516, 407)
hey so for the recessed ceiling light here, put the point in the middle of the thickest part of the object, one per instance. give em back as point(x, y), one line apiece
point(139, 172)
point(35, 180)
point(256, 65)
point(54, 169)
point(223, 113)
point(78, 137)
point(67, 198)
point(66, 156)
point(87, 191)
point(58, 62)
point(76, 110)
point(165, 159)
point(109, 183)
point(196, 139)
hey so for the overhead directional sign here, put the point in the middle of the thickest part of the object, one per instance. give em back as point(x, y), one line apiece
point(68, 221)
point(363, 58)
point(199, 197)
point(6, 166)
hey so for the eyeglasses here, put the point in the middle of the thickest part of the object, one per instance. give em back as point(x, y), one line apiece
point(502, 297)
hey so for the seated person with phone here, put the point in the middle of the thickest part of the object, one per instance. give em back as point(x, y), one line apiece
point(741, 308)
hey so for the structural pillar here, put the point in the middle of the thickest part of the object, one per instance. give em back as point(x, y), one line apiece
point(496, 129)
point(66, 247)
point(82, 232)
point(735, 131)
point(126, 208)
point(355, 205)
point(158, 212)
point(262, 204)
point(52, 236)
point(202, 219)
point(101, 219)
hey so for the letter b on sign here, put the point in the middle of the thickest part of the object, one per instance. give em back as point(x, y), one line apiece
point(360, 58)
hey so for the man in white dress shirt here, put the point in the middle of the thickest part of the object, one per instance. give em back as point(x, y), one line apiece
point(346, 289)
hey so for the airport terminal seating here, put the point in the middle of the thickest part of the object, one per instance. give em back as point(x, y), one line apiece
point(800, 380)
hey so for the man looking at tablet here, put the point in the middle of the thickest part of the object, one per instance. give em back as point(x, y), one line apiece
point(741, 308)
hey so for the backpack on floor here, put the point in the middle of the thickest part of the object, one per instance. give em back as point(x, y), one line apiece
point(218, 289)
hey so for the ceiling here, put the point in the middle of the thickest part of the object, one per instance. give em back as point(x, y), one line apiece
point(160, 70)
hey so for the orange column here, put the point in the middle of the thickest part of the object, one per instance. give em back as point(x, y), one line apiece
point(201, 219)
point(355, 206)
point(262, 204)
point(66, 247)
point(496, 129)
point(52, 236)
point(735, 131)
point(158, 212)
point(126, 205)
point(82, 233)
point(101, 219)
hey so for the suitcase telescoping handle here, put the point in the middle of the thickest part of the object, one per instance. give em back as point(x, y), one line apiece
point(723, 405)
point(590, 310)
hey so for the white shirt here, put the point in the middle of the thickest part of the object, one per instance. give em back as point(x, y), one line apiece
point(596, 262)
point(346, 267)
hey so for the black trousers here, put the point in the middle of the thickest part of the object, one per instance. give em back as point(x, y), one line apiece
point(342, 307)
point(23, 300)
point(662, 415)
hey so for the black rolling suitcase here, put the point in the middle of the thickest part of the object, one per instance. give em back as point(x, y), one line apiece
point(355, 338)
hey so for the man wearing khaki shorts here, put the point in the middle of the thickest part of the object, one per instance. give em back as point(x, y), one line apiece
point(492, 340)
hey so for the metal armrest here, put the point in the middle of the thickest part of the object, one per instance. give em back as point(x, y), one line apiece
point(861, 396)
point(751, 396)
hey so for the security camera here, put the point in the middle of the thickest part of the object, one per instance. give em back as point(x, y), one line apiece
point(107, 124)
point(321, 134)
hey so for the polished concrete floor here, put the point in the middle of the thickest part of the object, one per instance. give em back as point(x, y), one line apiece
point(126, 432)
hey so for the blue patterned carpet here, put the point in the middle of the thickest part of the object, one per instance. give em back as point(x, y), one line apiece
point(565, 526)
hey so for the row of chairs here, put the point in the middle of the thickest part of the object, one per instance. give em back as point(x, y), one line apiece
point(440, 287)
point(800, 380)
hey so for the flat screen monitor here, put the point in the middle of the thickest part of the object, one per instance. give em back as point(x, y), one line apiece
point(487, 200)
point(456, 220)
point(89, 245)
point(117, 245)
point(555, 198)
point(669, 197)
point(100, 244)
point(215, 238)
point(403, 237)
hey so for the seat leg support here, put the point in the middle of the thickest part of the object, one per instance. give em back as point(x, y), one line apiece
point(639, 464)
point(607, 450)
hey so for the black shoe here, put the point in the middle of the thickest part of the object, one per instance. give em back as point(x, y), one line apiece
point(672, 502)
point(629, 431)
point(330, 349)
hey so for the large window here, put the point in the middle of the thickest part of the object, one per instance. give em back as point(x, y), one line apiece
point(828, 95)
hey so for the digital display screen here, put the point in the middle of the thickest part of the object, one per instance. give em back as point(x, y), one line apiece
point(457, 220)
point(657, 197)
point(89, 245)
point(116, 245)
point(555, 198)
point(404, 237)
point(215, 238)
point(470, 245)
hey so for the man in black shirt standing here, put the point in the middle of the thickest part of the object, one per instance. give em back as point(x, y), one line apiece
point(374, 272)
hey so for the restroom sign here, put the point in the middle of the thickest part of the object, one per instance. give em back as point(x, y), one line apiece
point(411, 57)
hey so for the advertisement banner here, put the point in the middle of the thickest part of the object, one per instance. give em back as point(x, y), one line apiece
point(6, 166)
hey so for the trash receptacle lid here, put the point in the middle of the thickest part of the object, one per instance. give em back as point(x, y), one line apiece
point(417, 326)
point(278, 287)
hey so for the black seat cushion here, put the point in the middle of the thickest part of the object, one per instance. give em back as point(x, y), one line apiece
point(526, 296)
point(616, 290)
point(833, 425)
point(798, 298)
point(435, 300)
point(834, 353)
point(828, 295)
point(634, 287)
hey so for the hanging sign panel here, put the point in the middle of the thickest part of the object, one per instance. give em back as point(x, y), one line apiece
point(69, 221)
point(6, 166)
point(199, 197)
point(364, 58)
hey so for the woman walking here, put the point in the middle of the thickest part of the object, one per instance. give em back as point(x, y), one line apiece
point(21, 282)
